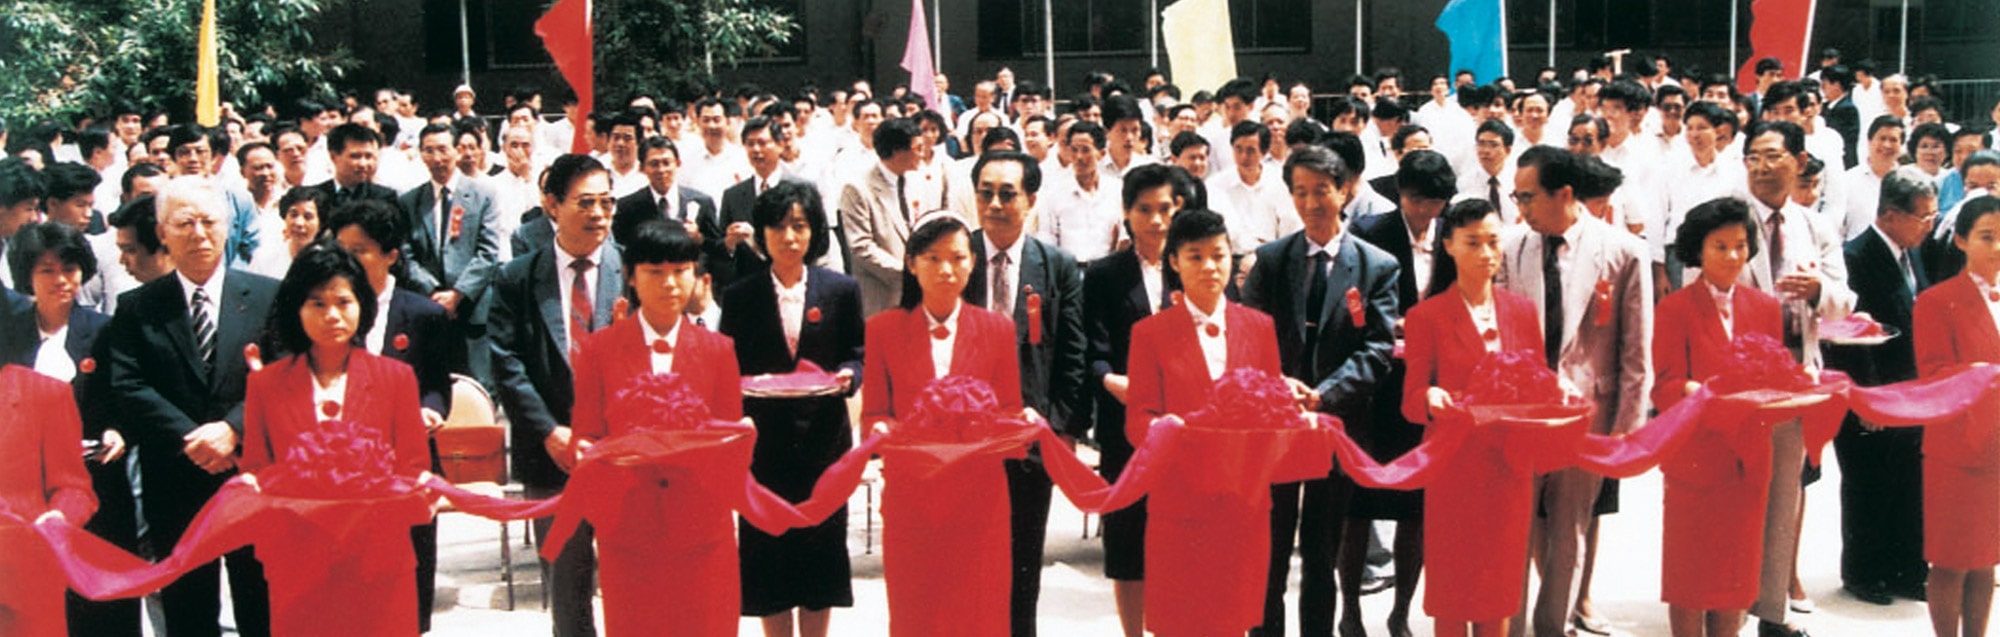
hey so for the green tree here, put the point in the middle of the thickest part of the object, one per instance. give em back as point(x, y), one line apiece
point(60, 58)
point(671, 46)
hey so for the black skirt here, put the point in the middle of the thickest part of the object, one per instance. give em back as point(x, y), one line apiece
point(797, 439)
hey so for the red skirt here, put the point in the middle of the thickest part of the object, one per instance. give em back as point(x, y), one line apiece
point(31, 585)
point(1476, 532)
point(1961, 498)
point(1713, 536)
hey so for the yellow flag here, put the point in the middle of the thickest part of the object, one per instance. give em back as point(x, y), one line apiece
point(1199, 43)
point(207, 110)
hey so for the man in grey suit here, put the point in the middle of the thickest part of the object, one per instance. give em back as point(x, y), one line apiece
point(543, 303)
point(454, 240)
point(1593, 286)
point(876, 210)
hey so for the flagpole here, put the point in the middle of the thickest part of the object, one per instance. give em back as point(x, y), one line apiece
point(1357, 35)
point(1805, 44)
point(1153, 36)
point(464, 45)
point(1504, 68)
point(1733, 34)
point(1903, 47)
point(937, 38)
point(1552, 33)
point(1049, 45)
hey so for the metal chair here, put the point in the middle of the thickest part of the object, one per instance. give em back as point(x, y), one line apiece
point(472, 450)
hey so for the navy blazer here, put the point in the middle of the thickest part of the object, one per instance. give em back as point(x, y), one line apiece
point(1052, 372)
point(531, 370)
point(639, 207)
point(737, 203)
point(1879, 290)
point(750, 317)
point(1114, 299)
point(1348, 361)
point(23, 344)
point(1391, 232)
point(420, 335)
point(360, 192)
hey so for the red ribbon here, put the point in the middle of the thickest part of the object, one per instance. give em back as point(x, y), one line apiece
point(457, 220)
point(1034, 315)
point(1354, 307)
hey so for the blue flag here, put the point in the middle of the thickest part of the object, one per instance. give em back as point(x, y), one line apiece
point(1477, 29)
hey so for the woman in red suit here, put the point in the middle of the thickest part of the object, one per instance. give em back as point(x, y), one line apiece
point(1713, 522)
point(1955, 323)
point(1476, 526)
point(322, 310)
point(42, 472)
point(947, 574)
point(682, 582)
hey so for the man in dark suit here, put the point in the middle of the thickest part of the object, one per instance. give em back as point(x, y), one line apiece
point(536, 232)
point(353, 148)
point(1120, 290)
point(176, 370)
point(664, 198)
point(1033, 282)
point(454, 242)
point(763, 143)
point(1837, 82)
point(1332, 356)
point(543, 303)
point(1881, 484)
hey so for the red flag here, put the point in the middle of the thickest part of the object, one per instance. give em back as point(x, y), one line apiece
point(917, 57)
point(566, 32)
point(1781, 29)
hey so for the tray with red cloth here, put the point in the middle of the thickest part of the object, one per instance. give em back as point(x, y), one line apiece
point(808, 380)
point(1856, 329)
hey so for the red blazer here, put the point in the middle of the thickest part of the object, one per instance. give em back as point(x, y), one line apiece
point(381, 393)
point(611, 357)
point(1168, 373)
point(1441, 345)
point(1952, 329)
point(43, 466)
point(1688, 341)
point(897, 365)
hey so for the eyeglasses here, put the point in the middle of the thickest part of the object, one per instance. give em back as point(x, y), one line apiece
point(1005, 196)
point(1522, 198)
point(606, 202)
point(1582, 140)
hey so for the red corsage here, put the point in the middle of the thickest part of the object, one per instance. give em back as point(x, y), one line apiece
point(457, 220)
point(252, 355)
point(1249, 398)
point(1034, 315)
point(1757, 361)
point(1354, 307)
point(329, 409)
point(620, 309)
point(812, 315)
point(401, 342)
point(88, 365)
point(1603, 300)
point(1174, 298)
point(956, 409)
point(1519, 377)
point(336, 459)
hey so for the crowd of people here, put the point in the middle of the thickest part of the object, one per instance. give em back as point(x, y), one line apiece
point(1623, 224)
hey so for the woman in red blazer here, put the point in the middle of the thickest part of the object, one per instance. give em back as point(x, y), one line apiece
point(1177, 355)
point(682, 582)
point(1714, 520)
point(1476, 521)
point(322, 311)
point(1955, 325)
point(947, 573)
point(42, 471)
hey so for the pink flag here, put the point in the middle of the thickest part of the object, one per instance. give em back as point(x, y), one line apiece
point(917, 56)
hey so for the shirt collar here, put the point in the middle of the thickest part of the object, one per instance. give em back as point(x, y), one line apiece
point(213, 287)
point(388, 292)
point(564, 258)
point(950, 321)
point(1893, 248)
point(799, 290)
point(1013, 252)
point(672, 335)
point(1332, 248)
point(1219, 319)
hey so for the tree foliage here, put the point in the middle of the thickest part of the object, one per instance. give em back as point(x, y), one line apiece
point(60, 58)
point(666, 46)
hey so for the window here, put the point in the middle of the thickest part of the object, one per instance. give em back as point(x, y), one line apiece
point(1013, 28)
point(1590, 24)
point(1271, 25)
point(510, 39)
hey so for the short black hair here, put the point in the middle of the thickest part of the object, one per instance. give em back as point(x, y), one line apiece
point(1794, 136)
point(341, 136)
point(1304, 130)
point(1426, 174)
point(1251, 128)
point(930, 230)
point(1184, 141)
point(1932, 131)
point(1402, 136)
point(382, 221)
point(1387, 109)
point(1555, 168)
point(1970, 212)
point(657, 241)
point(1086, 127)
point(87, 142)
point(141, 216)
point(1031, 171)
point(1346, 146)
point(243, 152)
point(777, 202)
point(1143, 178)
point(1119, 108)
point(1710, 112)
point(60, 240)
point(1321, 160)
point(895, 135)
point(1769, 65)
point(1241, 88)
point(20, 182)
point(1496, 127)
point(1705, 219)
point(1189, 226)
point(1600, 178)
point(183, 134)
point(320, 262)
point(1782, 92)
point(1346, 104)
point(563, 173)
point(322, 202)
point(999, 135)
point(69, 179)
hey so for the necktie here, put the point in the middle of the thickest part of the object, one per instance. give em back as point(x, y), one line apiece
point(1774, 230)
point(667, 209)
point(1002, 298)
point(444, 217)
point(204, 329)
point(903, 198)
point(1909, 272)
point(1493, 192)
point(1552, 300)
point(1316, 292)
point(580, 309)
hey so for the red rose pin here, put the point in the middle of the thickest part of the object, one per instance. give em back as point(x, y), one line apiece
point(457, 220)
point(330, 409)
point(812, 315)
point(1034, 315)
point(253, 357)
point(1354, 307)
point(1603, 300)
point(402, 342)
point(620, 309)
point(87, 366)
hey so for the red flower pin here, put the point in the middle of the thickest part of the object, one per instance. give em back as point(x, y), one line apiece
point(1034, 315)
point(1354, 307)
point(330, 409)
point(457, 220)
point(87, 366)
point(812, 315)
point(401, 342)
point(1603, 300)
point(1174, 298)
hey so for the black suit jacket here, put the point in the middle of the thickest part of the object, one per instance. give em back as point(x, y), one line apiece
point(1114, 299)
point(429, 343)
point(737, 203)
point(1386, 186)
point(531, 370)
point(1346, 362)
point(161, 389)
point(750, 316)
point(360, 192)
point(19, 334)
point(1391, 233)
point(1052, 371)
point(1846, 120)
point(1879, 290)
point(537, 231)
point(640, 207)
point(23, 344)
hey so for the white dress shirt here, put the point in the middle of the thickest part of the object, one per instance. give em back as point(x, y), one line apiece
point(1154, 278)
point(713, 172)
point(792, 308)
point(1256, 213)
point(662, 363)
point(1725, 307)
point(1486, 321)
point(1421, 258)
point(334, 393)
point(1214, 347)
point(627, 182)
point(1862, 189)
point(52, 358)
point(1082, 223)
point(378, 333)
point(941, 347)
point(1692, 185)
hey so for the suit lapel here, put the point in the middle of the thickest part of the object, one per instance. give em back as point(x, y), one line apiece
point(1345, 274)
point(1034, 274)
point(1132, 270)
point(426, 218)
point(181, 329)
point(885, 191)
point(1182, 355)
point(1708, 317)
point(548, 295)
point(610, 285)
point(1580, 282)
point(1461, 325)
